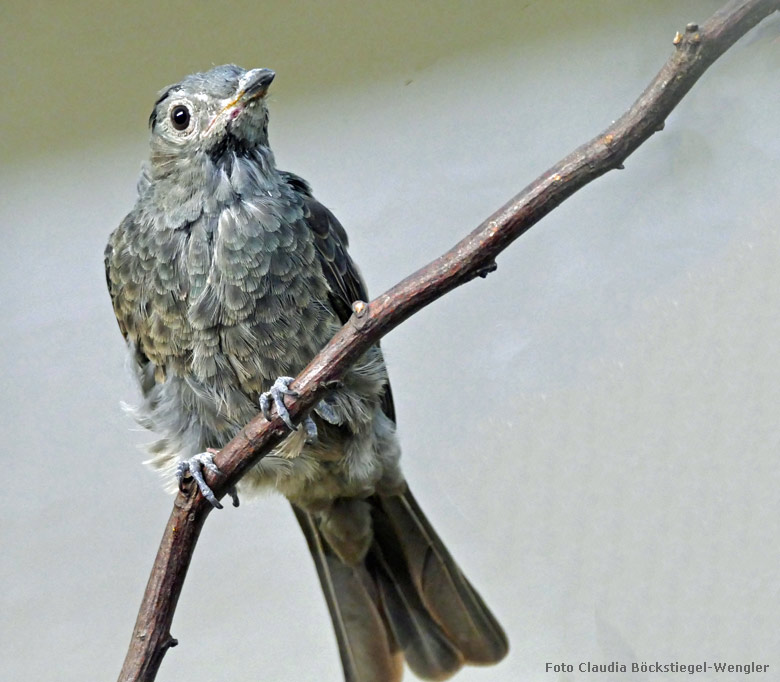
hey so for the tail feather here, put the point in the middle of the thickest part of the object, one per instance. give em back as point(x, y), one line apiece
point(407, 599)
point(428, 651)
point(447, 593)
point(366, 645)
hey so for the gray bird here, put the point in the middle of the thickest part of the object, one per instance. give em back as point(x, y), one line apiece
point(226, 278)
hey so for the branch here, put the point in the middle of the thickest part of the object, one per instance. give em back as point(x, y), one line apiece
point(475, 255)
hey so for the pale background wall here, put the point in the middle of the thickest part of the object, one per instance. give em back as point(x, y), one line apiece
point(619, 501)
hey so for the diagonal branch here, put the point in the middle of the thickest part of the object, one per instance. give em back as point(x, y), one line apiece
point(695, 50)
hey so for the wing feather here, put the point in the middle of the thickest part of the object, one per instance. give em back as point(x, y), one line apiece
point(341, 273)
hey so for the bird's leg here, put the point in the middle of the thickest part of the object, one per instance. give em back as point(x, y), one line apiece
point(194, 467)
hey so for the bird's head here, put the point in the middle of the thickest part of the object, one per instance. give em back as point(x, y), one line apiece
point(209, 117)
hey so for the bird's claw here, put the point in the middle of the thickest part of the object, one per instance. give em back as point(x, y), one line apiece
point(276, 395)
point(280, 389)
point(194, 467)
point(328, 412)
point(311, 429)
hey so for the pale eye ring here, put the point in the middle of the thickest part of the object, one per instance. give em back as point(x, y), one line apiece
point(180, 117)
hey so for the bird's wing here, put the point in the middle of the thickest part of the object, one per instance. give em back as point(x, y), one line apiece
point(143, 364)
point(342, 274)
point(107, 255)
point(330, 238)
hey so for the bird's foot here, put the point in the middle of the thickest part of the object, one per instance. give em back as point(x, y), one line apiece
point(328, 412)
point(325, 410)
point(276, 395)
point(280, 389)
point(194, 467)
point(311, 430)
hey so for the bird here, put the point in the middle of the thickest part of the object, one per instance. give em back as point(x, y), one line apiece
point(226, 278)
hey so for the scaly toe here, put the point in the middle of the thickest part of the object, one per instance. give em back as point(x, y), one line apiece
point(194, 467)
point(327, 412)
point(311, 430)
point(280, 389)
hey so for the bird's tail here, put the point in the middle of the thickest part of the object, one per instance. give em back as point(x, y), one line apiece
point(407, 600)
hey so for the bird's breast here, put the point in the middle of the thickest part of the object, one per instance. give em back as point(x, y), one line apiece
point(256, 304)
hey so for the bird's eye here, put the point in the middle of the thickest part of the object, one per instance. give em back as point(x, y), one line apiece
point(180, 117)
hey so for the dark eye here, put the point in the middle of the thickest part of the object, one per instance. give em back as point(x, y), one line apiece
point(180, 117)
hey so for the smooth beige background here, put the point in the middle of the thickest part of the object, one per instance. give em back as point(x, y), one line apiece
point(593, 429)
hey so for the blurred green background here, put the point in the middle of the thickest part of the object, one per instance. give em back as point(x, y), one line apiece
point(593, 428)
point(85, 72)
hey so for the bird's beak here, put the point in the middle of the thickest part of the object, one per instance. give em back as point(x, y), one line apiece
point(253, 85)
